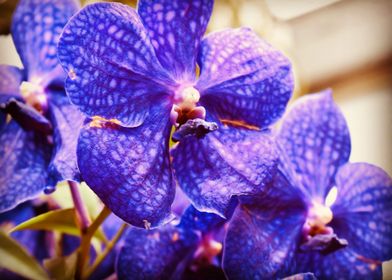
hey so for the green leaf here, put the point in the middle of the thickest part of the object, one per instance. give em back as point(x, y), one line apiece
point(62, 220)
point(62, 268)
point(16, 259)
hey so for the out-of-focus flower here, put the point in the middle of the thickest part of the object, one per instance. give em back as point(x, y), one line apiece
point(38, 145)
point(135, 74)
point(322, 214)
point(168, 251)
point(35, 242)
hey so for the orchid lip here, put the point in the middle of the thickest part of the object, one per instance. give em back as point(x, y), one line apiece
point(185, 106)
point(319, 216)
point(316, 234)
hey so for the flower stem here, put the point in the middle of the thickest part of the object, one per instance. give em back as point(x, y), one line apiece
point(81, 210)
point(84, 248)
point(106, 252)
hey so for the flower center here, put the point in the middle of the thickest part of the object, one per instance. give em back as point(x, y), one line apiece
point(319, 216)
point(317, 236)
point(185, 106)
point(187, 97)
point(34, 95)
point(206, 253)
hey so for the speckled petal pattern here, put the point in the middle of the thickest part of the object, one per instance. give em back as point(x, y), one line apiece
point(203, 222)
point(67, 121)
point(24, 158)
point(129, 169)
point(10, 79)
point(225, 163)
point(155, 254)
point(263, 232)
point(343, 264)
point(36, 27)
point(363, 210)
point(316, 141)
point(243, 78)
point(175, 29)
point(112, 68)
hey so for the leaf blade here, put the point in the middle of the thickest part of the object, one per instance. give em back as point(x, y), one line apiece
point(16, 259)
point(62, 220)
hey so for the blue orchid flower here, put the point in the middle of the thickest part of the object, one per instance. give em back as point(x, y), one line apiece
point(134, 73)
point(38, 145)
point(168, 252)
point(322, 214)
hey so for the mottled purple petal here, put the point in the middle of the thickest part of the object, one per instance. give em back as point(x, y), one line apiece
point(243, 78)
point(315, 141)
point(10, 79)
point(129, 169)
point(155, 254)
point(67, 121)
point(225, 163)
point(175, 29)
point(363, 210)
point(263, 233)
point(343, 264)
point(36, 27)
point(203, 222)
point(24, 157)
point(181, 202)
point(112, 68)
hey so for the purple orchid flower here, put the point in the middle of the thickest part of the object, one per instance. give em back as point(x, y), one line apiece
point(322, 214)
point(135, 74)
point(172, 250)
point(38, 145)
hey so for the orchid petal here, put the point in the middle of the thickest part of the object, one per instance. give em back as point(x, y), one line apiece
point(243, 78)
point(113, 71)
point(36, 27)
point(315, 142)
point(175, 29)
point(363, 210)
point(129, 169)
point(225, 163)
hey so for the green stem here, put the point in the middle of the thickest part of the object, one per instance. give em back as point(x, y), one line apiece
point(83, 254)
point(106, 252)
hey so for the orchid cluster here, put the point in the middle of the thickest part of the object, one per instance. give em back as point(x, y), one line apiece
point(176, 134)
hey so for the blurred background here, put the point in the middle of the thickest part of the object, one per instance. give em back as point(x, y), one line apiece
point(345, 45)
